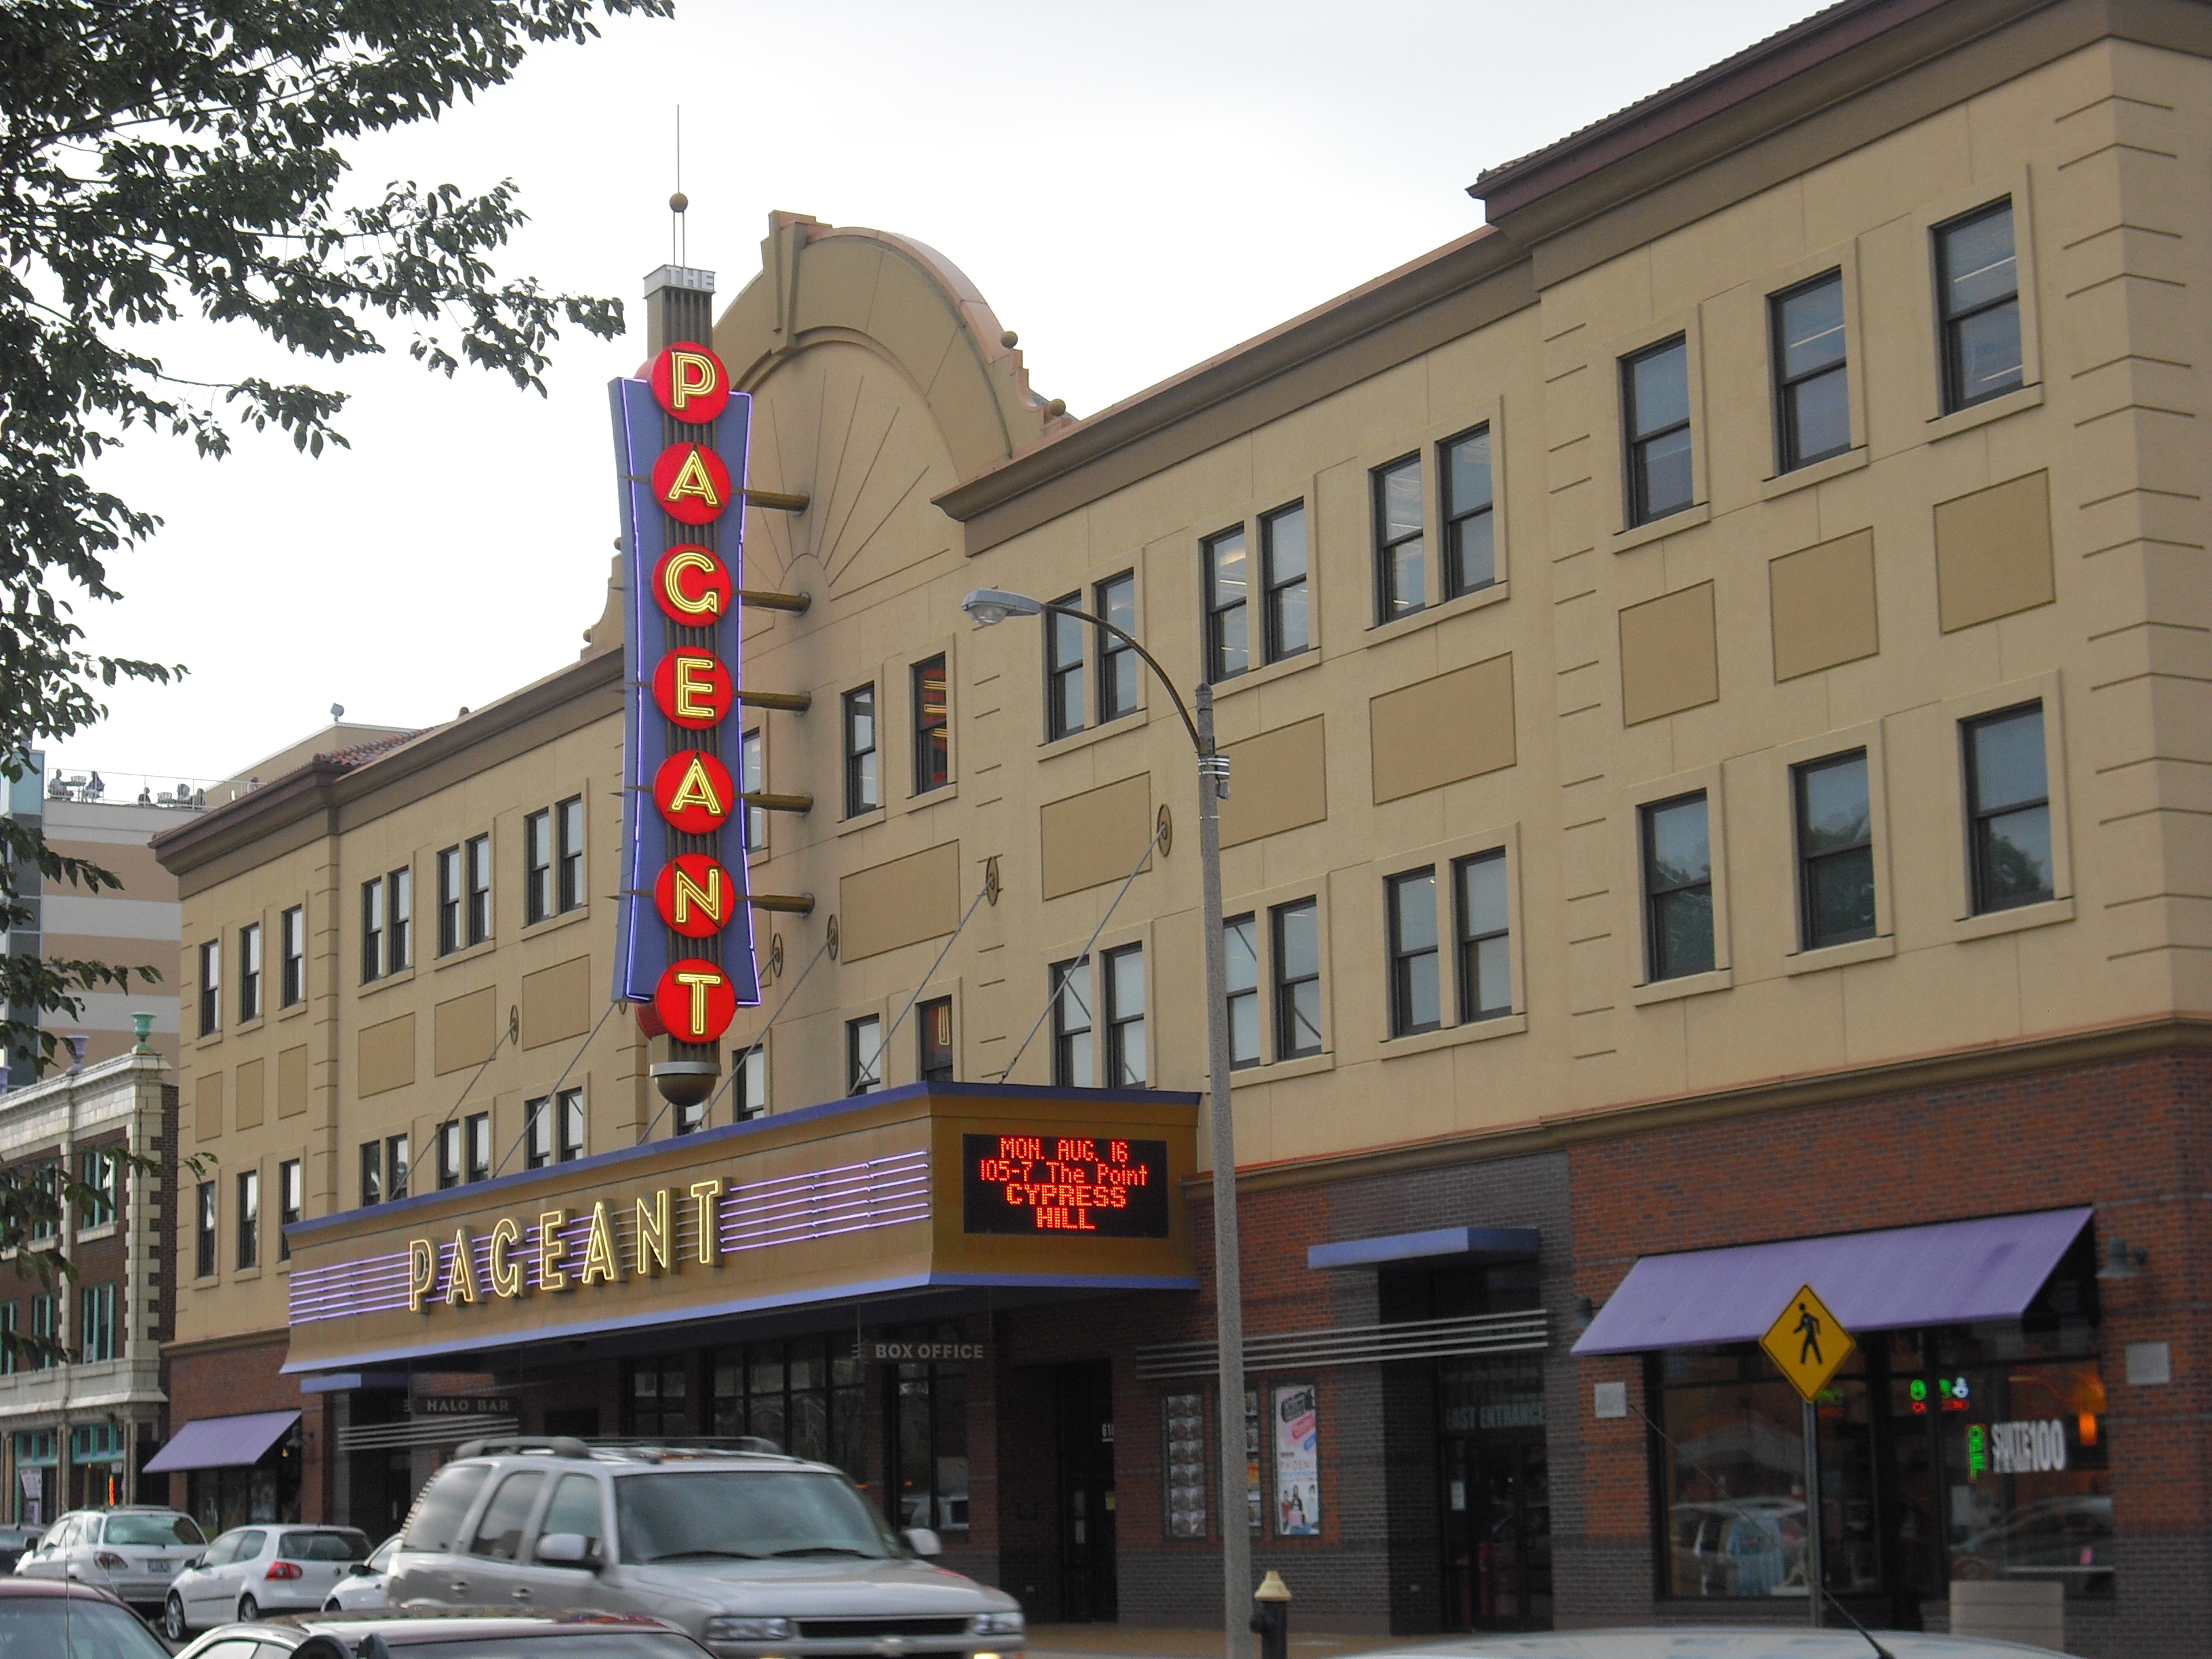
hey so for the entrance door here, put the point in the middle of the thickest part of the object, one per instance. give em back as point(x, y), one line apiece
point(1087, 1593)
point(1497, 1532)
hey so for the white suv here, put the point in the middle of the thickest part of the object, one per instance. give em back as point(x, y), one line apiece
point(132, 1552)
point(752, 1553)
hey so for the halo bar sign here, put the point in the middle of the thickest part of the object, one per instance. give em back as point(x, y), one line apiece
point(683, 930)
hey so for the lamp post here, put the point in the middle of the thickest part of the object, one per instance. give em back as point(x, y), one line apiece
point(991, 605)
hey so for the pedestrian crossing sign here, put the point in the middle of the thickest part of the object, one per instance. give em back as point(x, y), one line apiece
point(1809, 1343)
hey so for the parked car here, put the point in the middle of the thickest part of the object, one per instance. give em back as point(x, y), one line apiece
point(251, 1570)
point(133, 1552)
point(361, 1591)
point(46, 1618)
point(489, 1636)
point(752, 1552)
point(1677, 1641)
point(14, 1542)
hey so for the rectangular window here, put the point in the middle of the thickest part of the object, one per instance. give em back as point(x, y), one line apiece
point(478, 851)
point(42, 1324)
point(98, 1169)
point(1655, 401)
point(371, 930)
point(933, 1040)
point(752, 779)
point(399, 920)
point(478, 1143)
point(95, 1337)
point(569, 854)
point(1416, 992)
point(46, 1218)
point(1240, 949)
point(863, 1054)
point(1678, 887)
point(9, 1363)
point(537, 866)
point(1977, 301)
point(1116, 600)
point(1071, 1025)
point(690, 1119)
point(1063, 670)
point(1835, 850)
point(449, 901)
point(1470, 525)
point(292, 928)
point(1282, 561)
point(396, 1162)
point(204, 1241)
point(291, 1199)
point(372, 1172)
point(2008, 809)
point(1486, 967)
point(751, 1086)
point(210, 987)
point(1125, 1017)
point(1812, 392)
point(537, 1133)
point(449, 1154)
point(570, 1102)
point(249, 973)
point(1228, 610)
point(1402, 580)
point(1297, 979)
point(861, 792)
point(249, 1219)
point(933, 729)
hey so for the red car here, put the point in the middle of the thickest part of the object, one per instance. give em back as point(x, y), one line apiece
point(48, 1618)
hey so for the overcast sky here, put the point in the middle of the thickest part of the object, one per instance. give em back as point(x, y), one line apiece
point(1134, 185)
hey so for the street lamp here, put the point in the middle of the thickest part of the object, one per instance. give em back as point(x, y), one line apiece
point(992, 605)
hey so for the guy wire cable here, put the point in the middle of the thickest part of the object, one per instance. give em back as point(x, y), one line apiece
point(1084, 953)
point(552, 1093)
point(884, 1048)
point(737, 1070)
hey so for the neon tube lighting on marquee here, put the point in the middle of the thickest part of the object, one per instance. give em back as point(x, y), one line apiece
point(680, 656)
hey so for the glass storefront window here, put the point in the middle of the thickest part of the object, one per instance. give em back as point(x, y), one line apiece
point(803, 1395)
point(1961, 1452)
point(929, 1440)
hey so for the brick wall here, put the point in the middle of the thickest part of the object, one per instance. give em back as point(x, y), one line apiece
point(2127, 1136)
point(229, 1382)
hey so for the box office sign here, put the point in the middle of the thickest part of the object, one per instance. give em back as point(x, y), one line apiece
point(683, 930)
point(1027, 1183)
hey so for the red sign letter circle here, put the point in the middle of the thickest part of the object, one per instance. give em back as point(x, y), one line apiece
point(691, 481)
point(692, 586)
point(692, 687)
point(695, 895)
point(696, 1000)
point(690, 382)
point(694, 791)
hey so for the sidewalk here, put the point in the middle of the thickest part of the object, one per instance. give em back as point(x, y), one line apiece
point(1128, 1641)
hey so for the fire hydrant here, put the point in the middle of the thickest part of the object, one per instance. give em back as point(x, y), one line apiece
point(1271, 1617)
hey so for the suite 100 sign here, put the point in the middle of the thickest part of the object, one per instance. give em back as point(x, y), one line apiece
point(695, 691)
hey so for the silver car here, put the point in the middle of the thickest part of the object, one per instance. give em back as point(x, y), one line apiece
point(1681, 1641)
point(266, 1568)
point(130, 1553)
point(753, 1553)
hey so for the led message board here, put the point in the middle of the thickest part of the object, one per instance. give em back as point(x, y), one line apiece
point(683, 930)
point(1064, 1184)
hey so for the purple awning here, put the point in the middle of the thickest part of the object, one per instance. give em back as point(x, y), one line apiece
point(221, 1442)
point(1951, 1273)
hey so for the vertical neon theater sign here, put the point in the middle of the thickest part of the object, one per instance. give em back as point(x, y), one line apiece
point(683, 930)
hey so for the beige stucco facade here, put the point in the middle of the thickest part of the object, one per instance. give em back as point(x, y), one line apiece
point(2045, 546)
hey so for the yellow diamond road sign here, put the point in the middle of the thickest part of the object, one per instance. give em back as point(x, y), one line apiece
point(1809, 1343)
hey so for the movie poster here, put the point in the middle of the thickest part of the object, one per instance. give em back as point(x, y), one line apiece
point(1297, 1461)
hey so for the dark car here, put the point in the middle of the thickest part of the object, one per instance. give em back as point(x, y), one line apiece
point(14, 1540)
point(488, 1635)
point(42, 1618)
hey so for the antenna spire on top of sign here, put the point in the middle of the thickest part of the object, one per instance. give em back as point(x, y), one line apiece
point(678, 243)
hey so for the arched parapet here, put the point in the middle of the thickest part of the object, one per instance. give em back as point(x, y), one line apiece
point(908, 305)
